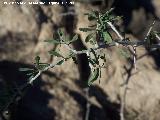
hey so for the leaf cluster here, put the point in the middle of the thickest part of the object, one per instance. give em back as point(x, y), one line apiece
point(98, 34)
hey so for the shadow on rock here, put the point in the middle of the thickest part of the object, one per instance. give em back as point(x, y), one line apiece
point(125, 8)
point(34, 101)
point(107, 111)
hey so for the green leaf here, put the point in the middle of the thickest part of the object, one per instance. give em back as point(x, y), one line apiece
point(55, 53)
point(85, 29)
point(37, 59)
point(94, 53)
point(60, 62)
point(96, 58)
point(107, 37)
point(53, 41)
point(89, 36)
point(60, 33)
point(25, 69)
point(74, 38)
point(42, 66)
point(94, 76)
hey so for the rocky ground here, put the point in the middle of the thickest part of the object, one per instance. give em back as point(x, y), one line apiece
point(58, 94)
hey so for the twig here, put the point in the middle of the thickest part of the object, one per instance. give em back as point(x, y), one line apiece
point(88, 104)
point(123, 98)
point(115, 30)
point(35, 77)
point(121, 41)
point(114, 43)
point(157, 36)
point(40, 71)
point(134, 56)
point(150, 29)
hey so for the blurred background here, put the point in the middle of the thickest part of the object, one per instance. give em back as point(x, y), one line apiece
point(58, 94)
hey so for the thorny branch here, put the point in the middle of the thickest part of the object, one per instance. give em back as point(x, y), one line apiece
point(88, 104)
point(122, 42)
point(129, 72)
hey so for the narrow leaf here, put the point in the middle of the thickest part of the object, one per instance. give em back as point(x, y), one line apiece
point(37, 59)
point(55, 53)
point(107, 37)
point(89, 37)
point(85, 29)
point(42, 66)
point(92, 25)
point(94, 53)
point(94, 76)
point(60, 62)
point(25, 69)
point(74, 38)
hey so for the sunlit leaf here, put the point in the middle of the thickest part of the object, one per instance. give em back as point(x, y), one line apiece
point(107, 37)
point(55, 53)
point(85, 29)
point(94, 76)
point(89, 36)
point(74, 38)
point(42, 66)
point(95, 56)
point(60, 62)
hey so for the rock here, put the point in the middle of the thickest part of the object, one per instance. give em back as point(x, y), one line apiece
point(57, 94)
point(19, 28)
